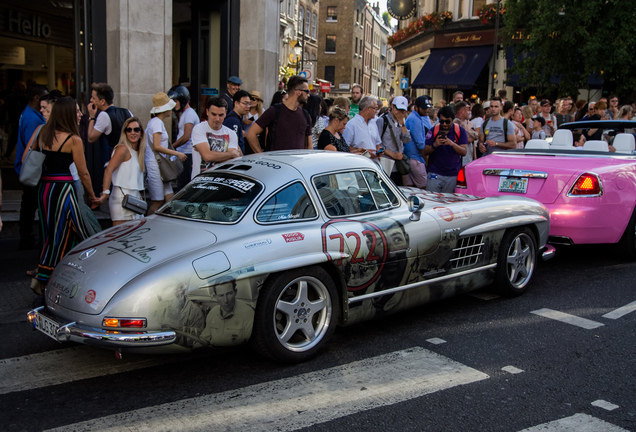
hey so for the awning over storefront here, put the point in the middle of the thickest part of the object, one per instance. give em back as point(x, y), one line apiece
point(593, 81)
point(453, 67)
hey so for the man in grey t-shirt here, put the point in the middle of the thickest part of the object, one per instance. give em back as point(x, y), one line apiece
point(492, 134)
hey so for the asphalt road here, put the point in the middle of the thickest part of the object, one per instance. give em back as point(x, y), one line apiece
point(472, 363)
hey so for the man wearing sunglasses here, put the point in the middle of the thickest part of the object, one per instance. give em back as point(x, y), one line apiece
point(288, 124)
point(234, 119)
point(446, 144)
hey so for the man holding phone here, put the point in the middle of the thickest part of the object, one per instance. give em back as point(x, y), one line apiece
point(446, 144)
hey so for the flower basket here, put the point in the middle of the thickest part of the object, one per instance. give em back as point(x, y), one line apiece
point(487, 13)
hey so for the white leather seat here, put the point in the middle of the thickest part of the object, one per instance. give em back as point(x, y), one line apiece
point(624, 143)
point(537, 144)
point(596, 145)
point(562, 138)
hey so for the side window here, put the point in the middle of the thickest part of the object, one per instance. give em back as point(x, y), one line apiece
point(355, 192)
point(291, 203)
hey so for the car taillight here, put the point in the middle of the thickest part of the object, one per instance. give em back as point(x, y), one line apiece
point(587, 184)
point(461, 179)
point(125, 322)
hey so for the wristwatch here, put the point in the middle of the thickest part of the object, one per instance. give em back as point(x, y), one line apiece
point(106, 192)
point(91, 118)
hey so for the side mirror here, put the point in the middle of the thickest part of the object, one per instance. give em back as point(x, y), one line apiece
point(415, 206)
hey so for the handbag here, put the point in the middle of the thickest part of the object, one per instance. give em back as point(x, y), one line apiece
point(403, 166)
point(133, 203)
point(169, 167)
point(31, 170)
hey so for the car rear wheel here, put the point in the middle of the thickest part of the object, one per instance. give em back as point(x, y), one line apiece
point(295, 315)
point(516, 261)
point(627, 243)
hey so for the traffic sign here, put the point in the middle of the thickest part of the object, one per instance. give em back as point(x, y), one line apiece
point(303, 74)
point(404, 83)
point(325, 87)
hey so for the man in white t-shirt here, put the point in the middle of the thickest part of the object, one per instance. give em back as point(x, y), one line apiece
point(213, 143)
point(188, 119)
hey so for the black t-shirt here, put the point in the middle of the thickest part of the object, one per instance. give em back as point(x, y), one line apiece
point(291, 130)
point(326, 138)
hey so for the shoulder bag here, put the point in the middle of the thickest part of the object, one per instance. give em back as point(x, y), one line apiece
point(133, 203)
point(31, 170)
point(169, 167)
point(403, 166)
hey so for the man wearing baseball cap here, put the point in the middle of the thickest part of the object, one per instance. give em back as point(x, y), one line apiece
point(550, 120)
point(393, 134)
point(418, 123)
point(234, 84)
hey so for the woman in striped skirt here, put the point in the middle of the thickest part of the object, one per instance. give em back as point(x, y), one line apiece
point(60, 215)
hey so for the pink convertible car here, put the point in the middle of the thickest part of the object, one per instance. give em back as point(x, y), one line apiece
point(590, 191)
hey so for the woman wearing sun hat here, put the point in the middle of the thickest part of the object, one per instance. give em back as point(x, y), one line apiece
point(157, 141)
point(256, 109)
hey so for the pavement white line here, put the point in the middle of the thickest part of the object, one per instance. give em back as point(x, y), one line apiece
point(435, 341)
point(621, 311)
point(605, 405)
point(576, 423)
point(568, 319)
point(512, 369)
point(81, 362)
point(303, 400)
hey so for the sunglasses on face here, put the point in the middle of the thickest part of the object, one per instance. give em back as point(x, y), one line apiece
point(129, 130)
point(303, 90)
point(445, 121)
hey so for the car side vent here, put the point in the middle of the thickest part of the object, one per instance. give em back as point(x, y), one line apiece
point(226, 166)
point(467, 252)
point(241, 167)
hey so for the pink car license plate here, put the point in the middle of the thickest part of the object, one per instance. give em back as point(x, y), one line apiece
point(514, 185)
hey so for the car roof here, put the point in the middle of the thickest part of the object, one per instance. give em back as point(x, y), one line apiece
point(600, 124)
point(280, 167)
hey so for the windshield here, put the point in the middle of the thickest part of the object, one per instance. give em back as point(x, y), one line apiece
point(214, 197)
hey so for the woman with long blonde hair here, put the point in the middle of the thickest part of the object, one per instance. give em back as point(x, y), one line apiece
point(125, 171)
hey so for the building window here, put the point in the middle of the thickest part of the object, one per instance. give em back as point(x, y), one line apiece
point(332, 14)
point(314, 19)
point(290, 8)
point(301, 19)
point(330, 74)
point(477, 4)
point(308, 23)
point(357, 17)
point(331, 44)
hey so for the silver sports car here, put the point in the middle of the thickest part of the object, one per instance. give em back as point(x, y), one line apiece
point(279, 248)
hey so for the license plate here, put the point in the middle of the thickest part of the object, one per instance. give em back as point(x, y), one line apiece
point(514, 185)
point(46, 325)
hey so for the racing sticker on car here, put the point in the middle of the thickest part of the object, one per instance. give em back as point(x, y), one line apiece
point(110, 234)
point(445, 213)
point(90, 296)
point(293, 237)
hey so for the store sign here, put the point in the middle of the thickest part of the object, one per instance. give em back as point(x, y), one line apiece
point(27, 25)
point(12, 55)
point(344, 86)
point(325, 87)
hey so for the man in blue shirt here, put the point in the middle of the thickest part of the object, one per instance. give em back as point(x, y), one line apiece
point(29, 122)
point(445, 147)
point(234, 119)
point(418, 123)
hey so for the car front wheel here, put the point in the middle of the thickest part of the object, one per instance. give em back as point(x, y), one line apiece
point(516, 261)
point(295, 315)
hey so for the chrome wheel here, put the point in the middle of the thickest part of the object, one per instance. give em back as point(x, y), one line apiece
point(303, 313)
point(520, 260)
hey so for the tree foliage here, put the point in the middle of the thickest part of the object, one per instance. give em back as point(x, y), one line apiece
point(571, 40)
point(386, 18)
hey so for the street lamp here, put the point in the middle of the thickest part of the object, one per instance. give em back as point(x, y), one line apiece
point(494, 49)
point(298, 50)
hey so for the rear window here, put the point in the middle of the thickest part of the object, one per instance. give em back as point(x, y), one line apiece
point(214, 197)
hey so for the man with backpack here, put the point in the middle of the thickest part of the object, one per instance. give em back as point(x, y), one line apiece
point(446, 144)
point(394, 134)
point(288, 124)
point(497, 132)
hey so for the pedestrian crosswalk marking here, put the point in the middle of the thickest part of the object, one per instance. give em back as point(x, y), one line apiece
point(605, 405)
point(303, 400)
point(511, 369)
point(568, 319)
point(43, 369)
point(621, 311)
point(576, 423)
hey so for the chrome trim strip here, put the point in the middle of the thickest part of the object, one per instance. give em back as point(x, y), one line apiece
point(420, 284)
point(548, 252)
point(92, 336)
point(515, 173)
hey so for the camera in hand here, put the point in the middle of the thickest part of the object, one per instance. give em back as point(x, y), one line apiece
point(442, 135)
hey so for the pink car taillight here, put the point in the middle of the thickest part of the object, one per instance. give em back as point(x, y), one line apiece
point(587, 184)
point(461, 179)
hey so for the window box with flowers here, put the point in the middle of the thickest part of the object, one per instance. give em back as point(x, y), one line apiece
point(433, 21)
point(488, 12)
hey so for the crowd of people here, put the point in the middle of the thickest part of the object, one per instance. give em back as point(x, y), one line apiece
point(417, 142)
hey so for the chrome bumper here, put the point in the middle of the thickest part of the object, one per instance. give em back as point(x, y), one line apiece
point(548, 252)
point(105, 338)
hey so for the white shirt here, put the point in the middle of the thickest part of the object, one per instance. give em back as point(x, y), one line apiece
point(358, 134)
point(187, 116)
point(155, 125)
point(103, 124)
point(217, 140)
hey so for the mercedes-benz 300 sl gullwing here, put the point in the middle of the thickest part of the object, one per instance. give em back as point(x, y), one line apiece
point(277, 250)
